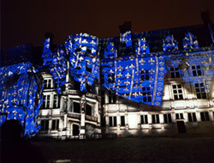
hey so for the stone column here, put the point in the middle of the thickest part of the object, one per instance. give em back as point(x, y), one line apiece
point(49, 126)
point(82, 118)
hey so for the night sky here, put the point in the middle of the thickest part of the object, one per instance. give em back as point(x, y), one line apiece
point(27, 21)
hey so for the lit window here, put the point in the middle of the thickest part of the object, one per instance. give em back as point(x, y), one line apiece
point(167, 118)
point(155, 118)
point(205, 116)
point(196, 70)
point(179, 116)
point(200, 91)
point(46, 102)
point(177, 91)
point(55, 104)
point(47, 83)
point(192, 117)
point(122, 118)
point(174, 72)
point(112, 121)
point(55, 124)
point(44, 125)
point(144, 119)
point(146, 94)
point(144, 75)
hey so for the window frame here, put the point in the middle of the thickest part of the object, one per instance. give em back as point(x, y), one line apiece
point(200, 91)
point(112, 121)
point(146, 93)
point(46, 101)
point(196, 70)
point(144, 119)
point(55, 124)
point(44, 125)
point(205, 116)
point(174, 72)
point(167, 118)
point(155, 119)
point(192, 117)
point(178, 93)
point(47, 83)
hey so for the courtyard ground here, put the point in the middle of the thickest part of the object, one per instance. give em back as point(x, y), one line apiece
point(145, 150)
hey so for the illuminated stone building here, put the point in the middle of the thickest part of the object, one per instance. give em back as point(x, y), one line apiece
point(139, 84)
point(172, 86)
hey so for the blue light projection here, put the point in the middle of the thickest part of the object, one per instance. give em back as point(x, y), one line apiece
point(170, 44)
point(126, 37)
point(20, 93)
point(190, 42)
point(80, 51)
point(196, 67)
point(137, 77)
point(142, 47)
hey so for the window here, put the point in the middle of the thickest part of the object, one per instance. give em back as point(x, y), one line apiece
point(205, 116)
point(192, 117)
point(196, 70)
point(112, 97)
point(179, 116)
point(146, 94)
point(144, 119)
point(46, 102)
point(44, 125)
point(155, 118)
point(88, 110)
point(112, 121)
point(55, 124)
point(144, 75)
point(177, 91)
point(200, 91)
point(167, 118)
point(55, 104)
point(122, 118)
point(47, 83)
point(88, 66)
point(174, 72)
point(76, 107)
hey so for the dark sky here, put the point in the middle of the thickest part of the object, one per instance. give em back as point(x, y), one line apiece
point(26, 21)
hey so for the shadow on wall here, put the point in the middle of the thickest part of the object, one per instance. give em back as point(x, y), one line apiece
point(14, 148)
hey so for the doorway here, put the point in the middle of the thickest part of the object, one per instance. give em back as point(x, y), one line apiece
point(181, 127)
point(75, 130)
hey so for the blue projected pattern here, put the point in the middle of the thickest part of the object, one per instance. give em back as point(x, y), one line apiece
point(170, 44)
point(126, 37)
point(136, 78)
point(80, 51)
point(196, 68)
point(190, 42)
point(142, 47)
point(19, 89)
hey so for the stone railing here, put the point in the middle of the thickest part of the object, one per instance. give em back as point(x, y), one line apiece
point(91, 118)
point(74, 115)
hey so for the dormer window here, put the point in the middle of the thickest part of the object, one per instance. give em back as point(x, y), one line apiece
point(47, 83)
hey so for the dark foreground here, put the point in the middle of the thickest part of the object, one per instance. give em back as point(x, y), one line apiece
point(158, 150)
